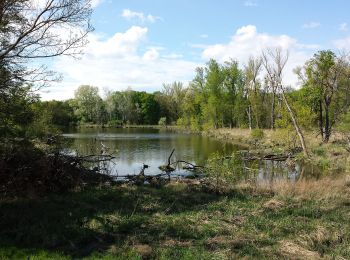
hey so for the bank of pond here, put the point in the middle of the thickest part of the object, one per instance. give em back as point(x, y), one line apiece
point(132, 148)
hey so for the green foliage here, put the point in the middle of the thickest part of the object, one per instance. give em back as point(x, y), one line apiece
point(319, 151)
point(162, 121)
point(88, 104)
point(344, 125)
point(284, 137)
point(257, 134)
point(224, 169)
point(326, 78)
point(195, 124)
point(16, 112)
point(115, 123)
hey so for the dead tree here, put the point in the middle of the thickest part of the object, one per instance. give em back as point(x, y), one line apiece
point(271, 83)
point(252, 71)
point(274, 63)
point(168, 168)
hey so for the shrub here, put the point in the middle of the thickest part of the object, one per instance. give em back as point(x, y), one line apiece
point(320, 151)
point(257, 134)
point(284, 137)
point(225, 169)
point(115, 123)
point(195, 124)
point(162, 121)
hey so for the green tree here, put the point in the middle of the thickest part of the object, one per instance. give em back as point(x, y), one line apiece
point(31, 30)
point(16, 113)
point(323, 76)
point(213, 110)
point(171, 101)
point(88, 104)
point(150, 109)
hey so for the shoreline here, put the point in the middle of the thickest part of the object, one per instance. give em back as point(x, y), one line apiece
point(331, 157)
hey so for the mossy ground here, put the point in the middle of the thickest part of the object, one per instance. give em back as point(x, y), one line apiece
point(179, 221)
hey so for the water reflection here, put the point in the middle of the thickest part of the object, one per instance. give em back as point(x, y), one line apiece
point(133, 147)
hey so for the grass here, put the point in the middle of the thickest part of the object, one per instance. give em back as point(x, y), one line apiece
point(331, 157)
point(181, 221)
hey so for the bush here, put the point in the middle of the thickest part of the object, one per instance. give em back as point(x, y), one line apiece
point(36, 168)
point(224, 171)
point(162, 121)
point(195, 124)
point(281, 137)
point(257, 134)
point(320, 151)
point(115, 123)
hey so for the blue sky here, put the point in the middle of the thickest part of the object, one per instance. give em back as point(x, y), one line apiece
point(143, 44)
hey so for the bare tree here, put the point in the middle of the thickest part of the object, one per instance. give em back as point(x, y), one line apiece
point(252, 70)
point(35, 29)
point(274, 63)
point(271, 83)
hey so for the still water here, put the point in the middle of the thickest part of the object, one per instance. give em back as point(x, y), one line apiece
point(133, 147)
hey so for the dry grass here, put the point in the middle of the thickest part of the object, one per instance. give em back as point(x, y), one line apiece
point(232, 242)
point(324, 188)
point(144, 250)
point(273, 205)
point(319, 237)
point(291, 250)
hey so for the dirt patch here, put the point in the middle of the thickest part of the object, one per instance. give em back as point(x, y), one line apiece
point(235, 220)
point(273, 205)
point(292, 250)
point(144, 250)
point(172, 242)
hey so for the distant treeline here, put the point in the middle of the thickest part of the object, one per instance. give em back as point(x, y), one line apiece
point(220, 95)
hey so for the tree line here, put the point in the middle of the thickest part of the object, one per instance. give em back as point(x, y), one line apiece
point(228, 94)
point(223, 95)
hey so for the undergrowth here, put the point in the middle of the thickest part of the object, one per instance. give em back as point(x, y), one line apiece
point(305, 220)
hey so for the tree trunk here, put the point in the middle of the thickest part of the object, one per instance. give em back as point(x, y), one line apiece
point(320, 120)
point(295, 123)
point(249, 113)
point(273, 111)
point(327, 130)
point(256, 115)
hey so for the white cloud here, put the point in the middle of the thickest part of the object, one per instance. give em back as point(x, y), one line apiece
point(173, 56)
point(119, 45)
point(342, 44)
point(95, 3)
point(128, 14)
point(118, 62)
point(250, 4)
point(311, 25)
point(151, 55)
point(247, 41)
point(343, 27)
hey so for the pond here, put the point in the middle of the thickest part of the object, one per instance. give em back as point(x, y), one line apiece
point(133, 147)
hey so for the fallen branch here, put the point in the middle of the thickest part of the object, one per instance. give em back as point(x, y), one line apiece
point(190, 166)
point(167, 168)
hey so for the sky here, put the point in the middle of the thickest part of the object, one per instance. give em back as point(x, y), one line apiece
point(143, 44)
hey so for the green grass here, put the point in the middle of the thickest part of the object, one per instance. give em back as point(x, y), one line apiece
point(174, 222)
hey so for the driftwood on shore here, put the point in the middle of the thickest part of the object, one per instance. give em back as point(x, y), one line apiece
point(161, 179)
point(171, 166)
point(267, 157)
point(168, 168)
